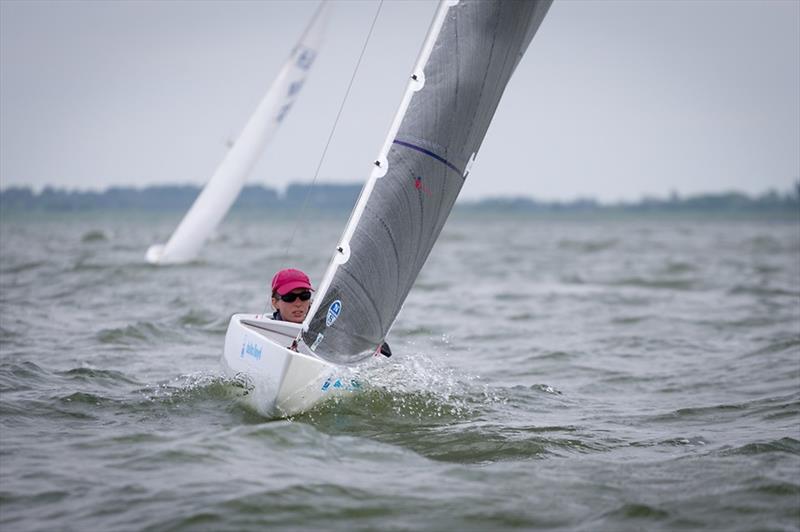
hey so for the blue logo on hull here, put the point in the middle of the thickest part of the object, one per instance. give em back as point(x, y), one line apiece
point(254, 350)
point(340, 384)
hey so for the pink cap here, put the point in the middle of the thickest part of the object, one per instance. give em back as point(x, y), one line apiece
point(289, 279)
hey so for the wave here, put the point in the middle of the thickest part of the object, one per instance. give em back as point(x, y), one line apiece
point(424, 424)
point(782, 445)
point(443, 431)
point(195, 387)
point(588, 246)
point(21, 376)
point(638, 511)
point(762, 291)
point(561, 356)
point(143, 332)
point(85, 398)
point(780, 489)
point(766, 244)
point(28, 375)
point(95, 235)
point(660, 284)
point(7, 334)
point(777, 346)
point(23, 267)
point(206, 321)
point(419, 405)
point(98, 376)
point(31, 392)
point(679, 267)
point(765, 408)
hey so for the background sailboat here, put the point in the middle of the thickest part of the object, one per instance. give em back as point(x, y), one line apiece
point(223, 188)
point(470, 53)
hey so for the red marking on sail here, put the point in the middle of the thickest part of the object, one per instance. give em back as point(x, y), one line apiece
point(420, 186)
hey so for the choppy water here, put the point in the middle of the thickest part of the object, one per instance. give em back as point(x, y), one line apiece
point(631, 374)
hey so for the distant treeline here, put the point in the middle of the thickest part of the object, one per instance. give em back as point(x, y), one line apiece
point(174, 197)
point(343, 196)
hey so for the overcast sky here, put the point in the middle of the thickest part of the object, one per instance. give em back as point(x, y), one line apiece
point(613, 100)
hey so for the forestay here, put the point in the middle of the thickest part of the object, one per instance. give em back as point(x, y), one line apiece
point(469, 55)
point(223, 188)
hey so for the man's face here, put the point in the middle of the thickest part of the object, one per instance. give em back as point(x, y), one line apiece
point(294, 311)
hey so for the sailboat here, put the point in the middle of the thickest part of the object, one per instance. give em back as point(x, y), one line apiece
point(467, 58)
point(223, 188)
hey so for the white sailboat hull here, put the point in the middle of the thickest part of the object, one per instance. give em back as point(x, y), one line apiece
point(279, 381)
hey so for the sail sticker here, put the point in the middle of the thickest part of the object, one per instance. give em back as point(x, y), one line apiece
point(306, 58)
point(295, 87)
point(317, 342)
point(419, 185)
point(283, 112)
point(428, 152)
point(333, 312)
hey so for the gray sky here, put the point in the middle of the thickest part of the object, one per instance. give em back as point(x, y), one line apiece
point(613, 100)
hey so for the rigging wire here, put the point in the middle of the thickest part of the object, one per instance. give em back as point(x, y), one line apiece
point(330, 137)
point(333, 130)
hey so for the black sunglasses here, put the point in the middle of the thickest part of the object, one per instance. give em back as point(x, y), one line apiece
point(290, 297)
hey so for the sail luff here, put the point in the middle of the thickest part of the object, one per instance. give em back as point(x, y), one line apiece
point(416, 81)
point(223, 188)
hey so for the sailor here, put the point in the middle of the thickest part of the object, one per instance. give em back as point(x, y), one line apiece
point(291, 299)
point(291, 295)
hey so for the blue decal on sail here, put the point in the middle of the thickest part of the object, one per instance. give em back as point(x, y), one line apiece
point(306, 59)
point(333, 312)
point(283, 112)
point(295, 87)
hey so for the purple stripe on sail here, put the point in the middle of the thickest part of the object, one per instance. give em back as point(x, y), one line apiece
point(430, 153)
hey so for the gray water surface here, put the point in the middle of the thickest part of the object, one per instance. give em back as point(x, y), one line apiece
point(588, 374)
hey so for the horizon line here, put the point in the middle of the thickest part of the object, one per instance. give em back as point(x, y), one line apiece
point(793, 190)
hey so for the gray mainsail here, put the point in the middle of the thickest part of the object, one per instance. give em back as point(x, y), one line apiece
point(469, 55)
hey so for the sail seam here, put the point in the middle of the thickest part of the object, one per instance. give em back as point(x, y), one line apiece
point(498, 16)
point(392, 241)
point(366, 296)
point(430, 154)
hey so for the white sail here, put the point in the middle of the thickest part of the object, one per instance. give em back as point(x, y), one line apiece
point(468, 57)
point(223, 188)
